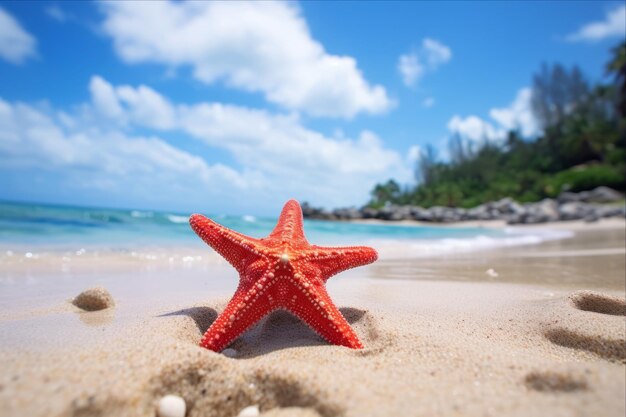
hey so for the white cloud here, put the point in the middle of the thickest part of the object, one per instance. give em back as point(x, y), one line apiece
point(261, 47)
point(410, 68)
point(429, 57)
point(613, 25)
point(414, 153)
point(30, 137)
point(428, 102)
point(275, 156)
point(474, 128)
point(125, 104)
point(105, 99)
point(147, 107)
point(55, 12)
point(517, 116)
point(436, 53)
point(294, 159)
point(16, 44)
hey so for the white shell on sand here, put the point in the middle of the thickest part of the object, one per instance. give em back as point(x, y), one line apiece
point(229, 352)
point(491, 272)
point(171, 406)
point(250, 411)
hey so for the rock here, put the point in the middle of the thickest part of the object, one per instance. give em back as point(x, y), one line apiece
point(422, 214)
point(541, 212)
point(395, 213)
point(309, 212)
point(403, 212)
point(567, 197)
point(503, 206)
point(480, 212)
point(568, 206)
point(369, 213)
point(573, 211)
point(250, 411)
point(93, 299)
point(516, 219)
point(446, 214)
point(230, 353)
point(347, 213)
point(603, 195)
point(171, 406)
point(516, 208)
point(611, 211)
point(517, 214)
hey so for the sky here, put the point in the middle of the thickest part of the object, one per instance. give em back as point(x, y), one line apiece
point(235, 107)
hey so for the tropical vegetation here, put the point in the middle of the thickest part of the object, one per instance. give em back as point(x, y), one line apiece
point(582, 146)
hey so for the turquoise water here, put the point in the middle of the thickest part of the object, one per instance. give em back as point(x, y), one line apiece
point(50, 225)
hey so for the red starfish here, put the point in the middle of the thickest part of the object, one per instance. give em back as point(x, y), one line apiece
point(281, 271)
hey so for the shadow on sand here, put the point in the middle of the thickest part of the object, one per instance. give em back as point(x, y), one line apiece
point(279, 330)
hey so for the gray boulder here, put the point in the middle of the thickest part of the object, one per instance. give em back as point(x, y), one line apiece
point(395, 213)
point(544, 211)
point(603, 195)
point(369, 213)
point(574, 211)
point(568, 197)
point(349, 213)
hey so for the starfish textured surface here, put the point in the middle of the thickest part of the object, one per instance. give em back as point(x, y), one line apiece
point(281, 271)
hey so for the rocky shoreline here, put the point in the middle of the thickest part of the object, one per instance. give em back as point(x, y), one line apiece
point(587, 205)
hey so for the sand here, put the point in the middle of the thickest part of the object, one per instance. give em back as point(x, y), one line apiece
point(544, 336)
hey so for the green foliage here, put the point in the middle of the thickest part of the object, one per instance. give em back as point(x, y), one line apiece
point(583, 146)
point(588, 177)
point(385, 192)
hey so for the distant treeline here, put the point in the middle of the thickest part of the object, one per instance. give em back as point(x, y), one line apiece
point(582, 146)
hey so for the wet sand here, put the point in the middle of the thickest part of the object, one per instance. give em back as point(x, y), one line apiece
point(528, 330)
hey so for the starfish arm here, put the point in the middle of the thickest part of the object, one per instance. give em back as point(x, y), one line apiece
point(321, 315)
point(233, 246)
point(245, 309)
point(290, 226)
point(331, 261)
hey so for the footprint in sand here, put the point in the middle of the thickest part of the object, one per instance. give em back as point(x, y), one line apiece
point(598, 303)
point(555, 381)
point(223, 390)
point(598, 327)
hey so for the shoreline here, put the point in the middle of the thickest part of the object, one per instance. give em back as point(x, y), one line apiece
point(20, 260)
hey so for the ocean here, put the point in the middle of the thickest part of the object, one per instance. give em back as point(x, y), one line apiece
point(37, 227)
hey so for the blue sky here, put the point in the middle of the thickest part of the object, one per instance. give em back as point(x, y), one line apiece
point(236, 107)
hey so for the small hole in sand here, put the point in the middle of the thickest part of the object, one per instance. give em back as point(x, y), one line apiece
point(551, 381)
point(611, 349)
point(599, 303)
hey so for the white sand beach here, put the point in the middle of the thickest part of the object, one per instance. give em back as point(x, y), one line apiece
point(524, 330)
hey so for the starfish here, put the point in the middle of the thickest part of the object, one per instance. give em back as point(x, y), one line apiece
point(281, 271)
